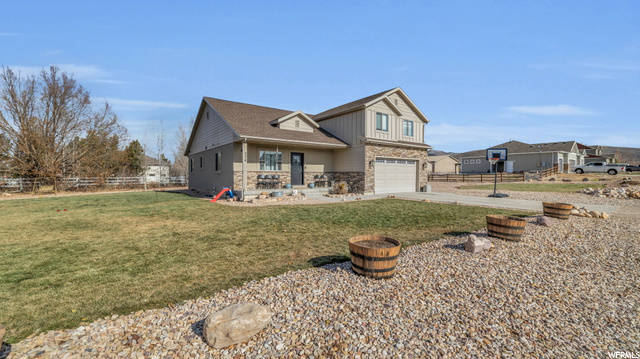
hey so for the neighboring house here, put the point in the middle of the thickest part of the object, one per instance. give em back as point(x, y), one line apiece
point(375, 143)
point(524, 157)
point(443, 164)
point(594, 154)
point(156, 170)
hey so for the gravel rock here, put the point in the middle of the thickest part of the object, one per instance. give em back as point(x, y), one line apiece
point(545, 221)
point(235, 324)
point(564, 291)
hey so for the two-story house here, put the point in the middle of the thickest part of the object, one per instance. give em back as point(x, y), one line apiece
point(375, 143)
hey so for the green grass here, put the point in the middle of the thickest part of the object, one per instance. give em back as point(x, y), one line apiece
point(113, 254)
point(538, 187)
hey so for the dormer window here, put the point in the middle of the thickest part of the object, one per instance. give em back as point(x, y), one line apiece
point(382, 121)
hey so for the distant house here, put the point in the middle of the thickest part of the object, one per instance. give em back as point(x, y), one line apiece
point(375, 143)
point(443, 164)
point(156, 170)
point(524, 157)
point(594, 154)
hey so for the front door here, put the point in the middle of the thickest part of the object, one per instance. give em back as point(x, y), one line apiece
point(297, 168)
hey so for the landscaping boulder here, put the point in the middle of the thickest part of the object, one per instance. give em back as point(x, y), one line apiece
point(585, 179)
point(3, 330)
point(235, 324)
point(546, 221)
point(604, 215)
point(475, 244)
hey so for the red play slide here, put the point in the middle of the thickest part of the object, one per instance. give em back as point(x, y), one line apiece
point(221, 193)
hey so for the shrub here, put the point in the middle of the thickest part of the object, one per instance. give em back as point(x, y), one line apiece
point(341, 187)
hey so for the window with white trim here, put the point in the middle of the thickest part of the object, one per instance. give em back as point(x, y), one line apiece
point(382, 121)
point(407, 128)
point(270, 161)
point(466, 162)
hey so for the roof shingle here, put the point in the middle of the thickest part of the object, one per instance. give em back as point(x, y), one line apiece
point(253, 120)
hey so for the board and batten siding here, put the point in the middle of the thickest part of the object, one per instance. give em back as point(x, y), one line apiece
point(394, 132)
point(290, 124)
point(211, 132)
point(408, 114)
point(347, 127)
point(349, 159)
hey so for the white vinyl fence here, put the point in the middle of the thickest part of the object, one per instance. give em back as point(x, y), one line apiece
point(84, 183)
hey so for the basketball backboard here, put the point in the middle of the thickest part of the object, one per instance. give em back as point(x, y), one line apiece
point(499, 153)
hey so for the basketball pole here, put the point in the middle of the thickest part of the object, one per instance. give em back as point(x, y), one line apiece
point(495, 177)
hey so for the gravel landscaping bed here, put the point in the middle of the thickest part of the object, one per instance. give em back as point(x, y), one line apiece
point(451, 187)
point(569, 290)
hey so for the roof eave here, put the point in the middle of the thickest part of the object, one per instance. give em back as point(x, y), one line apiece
point(303, 143)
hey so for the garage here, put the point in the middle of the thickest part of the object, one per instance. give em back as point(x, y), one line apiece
point(395, 175)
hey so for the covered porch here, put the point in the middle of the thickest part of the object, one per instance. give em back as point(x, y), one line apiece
point(265, 164)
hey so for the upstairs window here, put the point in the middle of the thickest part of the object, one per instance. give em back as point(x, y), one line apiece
point(201, 162)
point(382, 121)
point(270, 161)
point(407, 128)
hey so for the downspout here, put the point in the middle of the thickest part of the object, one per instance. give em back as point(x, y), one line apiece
point(244, 167)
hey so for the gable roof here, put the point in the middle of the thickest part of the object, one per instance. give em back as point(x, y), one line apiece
point(254, 121)
point(440, 158)
point(521, 147)
point(369, 100)
point(303, 115)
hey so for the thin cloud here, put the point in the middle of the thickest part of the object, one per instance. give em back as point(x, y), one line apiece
point(143, 105)
point(558, 110)
point(89, 73)
point(613, 66)
point(7, 34)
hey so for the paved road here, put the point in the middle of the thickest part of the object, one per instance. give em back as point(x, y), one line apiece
point(522, 204)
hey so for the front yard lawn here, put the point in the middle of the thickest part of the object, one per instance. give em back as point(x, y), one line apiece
point(117, 253)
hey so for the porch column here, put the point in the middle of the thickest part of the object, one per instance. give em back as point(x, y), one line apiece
point(244, 168)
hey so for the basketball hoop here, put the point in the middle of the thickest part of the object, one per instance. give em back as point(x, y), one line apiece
point(493, 160)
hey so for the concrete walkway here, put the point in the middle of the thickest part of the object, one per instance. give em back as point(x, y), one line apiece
point(521, 204)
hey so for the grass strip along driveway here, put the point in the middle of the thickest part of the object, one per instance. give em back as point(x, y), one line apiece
point(538, 187)
point(68, 260)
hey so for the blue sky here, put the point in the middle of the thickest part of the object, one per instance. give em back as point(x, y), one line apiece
point(483, 72)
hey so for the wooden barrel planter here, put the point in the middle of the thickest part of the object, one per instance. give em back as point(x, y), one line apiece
point(557, 210)
point(374, 256)
point(509, 228)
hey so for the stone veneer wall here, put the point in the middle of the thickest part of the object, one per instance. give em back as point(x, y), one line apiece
point(252, 178)
point(373, 151)
point(349, 177)
point(285, 177)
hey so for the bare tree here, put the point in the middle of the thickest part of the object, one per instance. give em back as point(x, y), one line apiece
point(45, 118)
point(180, 161)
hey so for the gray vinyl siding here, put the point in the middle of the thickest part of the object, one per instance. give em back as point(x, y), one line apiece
point(207, 177)
point(348, 127)
point(349, 160)
point(521, 162)
point(290, 124)
point(211, 132)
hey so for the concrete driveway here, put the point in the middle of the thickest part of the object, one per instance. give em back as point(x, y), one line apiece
point(521, 204)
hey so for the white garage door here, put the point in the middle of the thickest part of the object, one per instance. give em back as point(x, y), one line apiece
point(395, 175)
